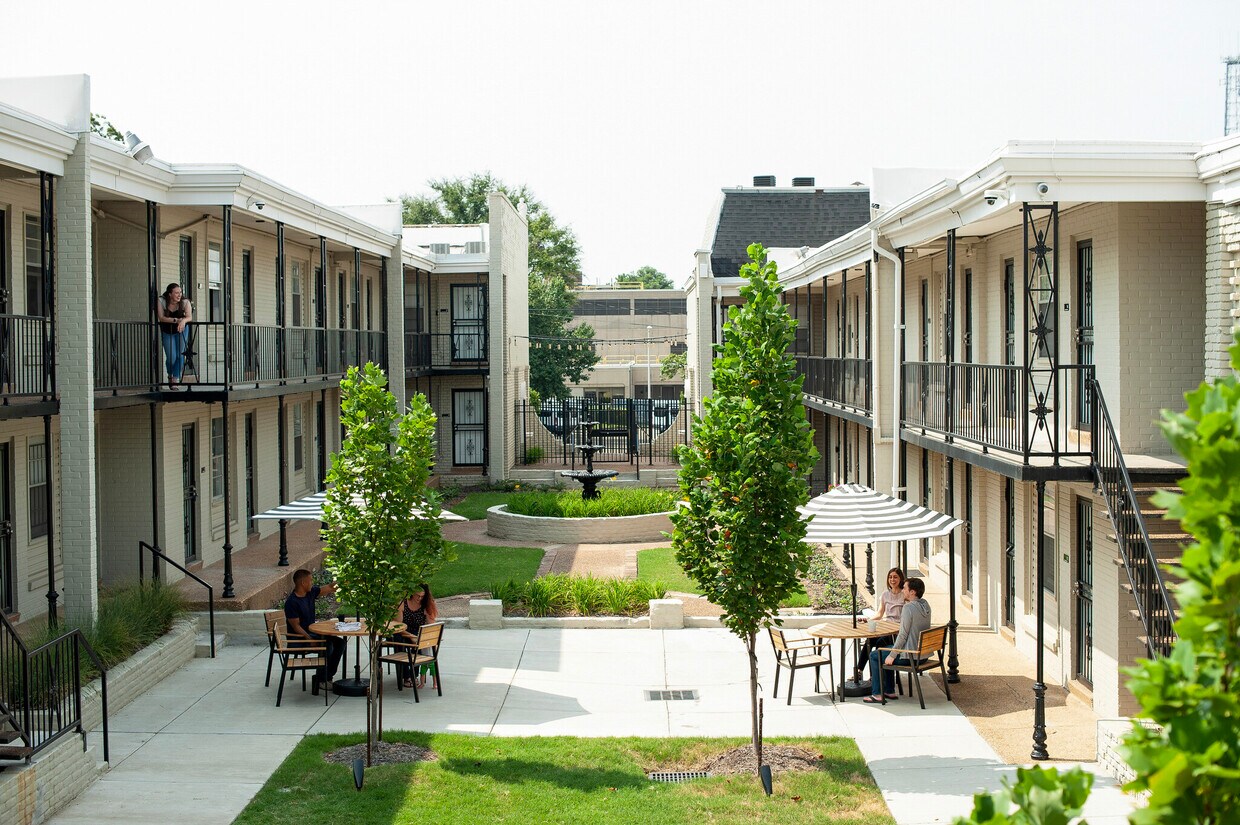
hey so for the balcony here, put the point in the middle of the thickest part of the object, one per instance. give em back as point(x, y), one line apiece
point(130, 357)
point(461, 352)
point(844, 382)
point(25, 369)
point(994, 407)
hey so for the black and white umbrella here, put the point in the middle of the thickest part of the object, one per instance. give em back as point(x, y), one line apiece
point(310, 508)
point(855, 514)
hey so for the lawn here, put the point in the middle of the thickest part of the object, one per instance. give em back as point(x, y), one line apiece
point(561, 779)
point(659, 564)
point(477, 567)
point(475, 505)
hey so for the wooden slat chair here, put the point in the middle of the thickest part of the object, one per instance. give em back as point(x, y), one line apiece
point(298, 655)
point(928, 656)
point(412, 655)
point(796, 652)
point(270, 619)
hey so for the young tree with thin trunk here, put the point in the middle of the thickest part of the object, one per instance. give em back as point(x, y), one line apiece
point(382, 521)
point(738, 533)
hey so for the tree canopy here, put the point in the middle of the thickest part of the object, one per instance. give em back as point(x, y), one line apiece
point(559, 352)
point(648, 277)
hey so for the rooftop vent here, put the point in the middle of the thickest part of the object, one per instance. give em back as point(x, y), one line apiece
point(763, 180)
point(802, 181)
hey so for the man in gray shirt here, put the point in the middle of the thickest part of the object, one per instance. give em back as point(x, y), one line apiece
point(914, 618)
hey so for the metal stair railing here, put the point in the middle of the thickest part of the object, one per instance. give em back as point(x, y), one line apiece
point(1154, 605)
point(156, 555)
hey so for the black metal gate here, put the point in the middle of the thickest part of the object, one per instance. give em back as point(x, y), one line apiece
point(1084, 329)
point(1009, 553)
point(630, 430)
point(1084, 591)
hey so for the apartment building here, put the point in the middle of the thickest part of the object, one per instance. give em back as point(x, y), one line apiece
point(98, 452)
point(998, 345)
point(634, 330)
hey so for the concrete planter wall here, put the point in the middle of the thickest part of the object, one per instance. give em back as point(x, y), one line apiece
point(543, 530)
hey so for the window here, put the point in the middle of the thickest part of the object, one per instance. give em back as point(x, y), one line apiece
point(926, 330)
point(602, 306)
point(185, 267)
point(299, 439)
point(659, 306)
point(36, 475)
point(295, 279)
point(370, 316)
point(215, 282)
point(217, 458)
point(1046, 574)
point(247, 286)
point(35, 299)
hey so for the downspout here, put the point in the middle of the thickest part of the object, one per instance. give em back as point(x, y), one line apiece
point(896, 388)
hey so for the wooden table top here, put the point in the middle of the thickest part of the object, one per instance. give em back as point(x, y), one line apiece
point(843, 629)
point(327, 627)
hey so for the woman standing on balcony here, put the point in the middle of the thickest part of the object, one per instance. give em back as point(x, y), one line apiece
point(173, 311)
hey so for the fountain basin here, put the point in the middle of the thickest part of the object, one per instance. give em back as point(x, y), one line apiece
point(550, 530)
point(589, 479)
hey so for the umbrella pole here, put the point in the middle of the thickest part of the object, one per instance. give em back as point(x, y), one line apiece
point(852, 566)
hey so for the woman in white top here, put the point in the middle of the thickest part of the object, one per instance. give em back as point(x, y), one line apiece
point(890, 603)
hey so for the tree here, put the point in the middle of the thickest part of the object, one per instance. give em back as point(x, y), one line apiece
point(738, 533)
point(672, 365)
point(648, 277)
point(558, 352)
point(100, 125)
point(377, 548)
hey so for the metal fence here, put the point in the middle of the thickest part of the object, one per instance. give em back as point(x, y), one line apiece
point(630, 430)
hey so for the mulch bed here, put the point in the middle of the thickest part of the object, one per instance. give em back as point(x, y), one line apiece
point(385, 753)
point(781, 758)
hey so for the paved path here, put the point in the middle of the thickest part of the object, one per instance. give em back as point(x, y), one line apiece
point(205, 739)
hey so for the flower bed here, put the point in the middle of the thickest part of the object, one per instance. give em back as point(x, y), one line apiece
point(561, 595)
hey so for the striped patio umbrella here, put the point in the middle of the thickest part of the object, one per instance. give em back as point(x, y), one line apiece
point(310, 508)
point(855, 514)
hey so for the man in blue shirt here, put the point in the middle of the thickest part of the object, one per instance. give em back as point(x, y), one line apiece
point(299, 610)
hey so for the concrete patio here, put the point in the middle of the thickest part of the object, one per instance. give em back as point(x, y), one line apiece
point(204, 740)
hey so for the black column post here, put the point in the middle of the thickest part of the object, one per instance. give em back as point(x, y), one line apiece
point(283, 562)
point(228, 548)
point(227, 297)
point(321, 310)
point(281, 315)
point(154, 492)
point(52, 595)
point(1039, 687)
point(47, 218)
point(322, 423)
point(228, 316)
point(383, 319)
point(899, 424)
point(152, 265)
point(949, 336)
point(953, 661)
point(357, 303)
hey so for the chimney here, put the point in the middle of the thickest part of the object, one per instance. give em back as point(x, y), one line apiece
point(802, 181)
point(763, 180)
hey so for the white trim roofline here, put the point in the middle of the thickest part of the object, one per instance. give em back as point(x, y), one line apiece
point(1219, 165)
point(29, 142)
point(842, 253)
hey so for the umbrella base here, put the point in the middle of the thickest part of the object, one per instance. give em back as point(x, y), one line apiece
point(853, 688)
point(351, 687)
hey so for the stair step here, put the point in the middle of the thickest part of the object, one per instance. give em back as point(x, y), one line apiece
point(202, 644)
point(15, 752)
point(7, 736)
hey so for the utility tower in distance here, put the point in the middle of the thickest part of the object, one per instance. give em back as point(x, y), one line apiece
point(1231, 105)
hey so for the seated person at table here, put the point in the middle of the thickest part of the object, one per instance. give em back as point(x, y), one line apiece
point(890, 602)
point(914, 618)
point(416, 610)
point(299, 610)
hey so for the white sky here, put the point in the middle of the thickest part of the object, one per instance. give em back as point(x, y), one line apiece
point(626, 120)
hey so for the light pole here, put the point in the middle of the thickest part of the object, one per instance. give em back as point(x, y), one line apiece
point(649, 399)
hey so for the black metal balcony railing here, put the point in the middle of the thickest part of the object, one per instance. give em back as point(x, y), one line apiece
point(844, 381)
point(24, 363)
point(130, 355)
point(445, 350)
point(990, 405)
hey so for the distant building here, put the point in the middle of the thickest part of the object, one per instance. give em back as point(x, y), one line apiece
point(634, 330)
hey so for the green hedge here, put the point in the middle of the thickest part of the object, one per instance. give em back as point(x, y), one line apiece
point(562, 595)
point(625, 501)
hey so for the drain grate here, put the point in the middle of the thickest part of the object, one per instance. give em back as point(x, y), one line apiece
point(671, 695)
point(677, 776)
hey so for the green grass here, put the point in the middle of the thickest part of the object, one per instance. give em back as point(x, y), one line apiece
point(475, 505)
point(622, 501)
point(477, 566)
point(564, 595)
point(659, 564)
point(563, 780)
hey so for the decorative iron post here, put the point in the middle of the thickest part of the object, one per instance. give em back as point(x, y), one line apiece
point(52, 595)
point(320, 310)
point(383, 310)
point(228, 298)
point(281, 315)
point(1041, 238)
point(152, 265)
point(283, 562)
point(953, 662)
point(899, 425)
point(1039, 687)
point(154, 495)
point(949, 336)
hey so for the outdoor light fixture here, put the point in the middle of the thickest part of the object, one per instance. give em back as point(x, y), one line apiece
point(764, 772)
point(138, 148)
point(359, 773)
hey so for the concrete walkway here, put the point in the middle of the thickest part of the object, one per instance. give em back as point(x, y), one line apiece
point(205, 740)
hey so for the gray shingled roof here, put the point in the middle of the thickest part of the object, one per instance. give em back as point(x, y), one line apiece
point(782, 218)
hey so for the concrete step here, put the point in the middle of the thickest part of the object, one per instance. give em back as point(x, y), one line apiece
point(202, 644)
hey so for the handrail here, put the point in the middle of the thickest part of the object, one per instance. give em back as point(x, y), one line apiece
point(1136, 549)
point(157, 554)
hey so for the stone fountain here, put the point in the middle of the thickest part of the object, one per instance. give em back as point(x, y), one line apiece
point(589, 477)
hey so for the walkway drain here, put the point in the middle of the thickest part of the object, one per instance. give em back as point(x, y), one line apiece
point(670, 695)
point(677, 776)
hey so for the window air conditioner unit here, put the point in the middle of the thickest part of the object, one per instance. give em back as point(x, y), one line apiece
point(475, 247)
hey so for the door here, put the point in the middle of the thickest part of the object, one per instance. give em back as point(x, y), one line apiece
point(469, 322)
point(249, 342)
point(4, 263)
point(469, 428)
point(320, 449)
point(1084, 591)
point(966, 338)
point(8, 568)
point(189, 490)
point(250, 510)
point(1009, 554)
point(1084, 329)
point(1009, 336)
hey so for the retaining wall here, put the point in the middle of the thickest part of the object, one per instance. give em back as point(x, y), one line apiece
point(543, 530)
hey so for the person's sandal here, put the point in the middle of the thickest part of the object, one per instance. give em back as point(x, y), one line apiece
point(873, 700)
point(406, 683)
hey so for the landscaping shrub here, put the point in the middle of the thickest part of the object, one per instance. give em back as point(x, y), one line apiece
point(563, 595)
point(629, 501)
point(533, 455)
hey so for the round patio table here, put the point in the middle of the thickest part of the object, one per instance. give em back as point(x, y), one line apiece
point(845, 629)
point(357, 686)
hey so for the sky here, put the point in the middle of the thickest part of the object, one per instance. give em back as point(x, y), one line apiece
point(626, 118)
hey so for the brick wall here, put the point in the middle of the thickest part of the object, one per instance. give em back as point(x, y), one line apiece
point(124, 475)
point(1222, 313)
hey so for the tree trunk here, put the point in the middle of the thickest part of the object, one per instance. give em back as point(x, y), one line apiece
point(750, 643)
point(372, 722)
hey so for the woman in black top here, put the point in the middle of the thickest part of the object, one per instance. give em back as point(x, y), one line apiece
point(173, 311)
point(416, 610)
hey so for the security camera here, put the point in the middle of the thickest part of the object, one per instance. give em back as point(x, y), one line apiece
point(1043, 188)
point(993, 195)
point(259, 205)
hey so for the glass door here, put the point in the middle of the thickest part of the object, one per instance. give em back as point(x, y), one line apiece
point(189, 491)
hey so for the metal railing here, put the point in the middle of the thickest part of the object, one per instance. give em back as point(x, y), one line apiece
point(987, 405)
point(1154, 604)
point(630, 430)
point(124, 355)
point(156, 555)
point(41, 690)
point(25, 368)
point(844, 381)
point(445, 350)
